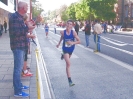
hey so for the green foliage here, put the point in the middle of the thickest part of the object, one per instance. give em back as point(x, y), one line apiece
point(103, 9)
point(71, 11)
point(82, 10)
point(52, 14)
point(64, 16)
point(36, 10)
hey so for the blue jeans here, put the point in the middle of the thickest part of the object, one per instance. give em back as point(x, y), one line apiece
point(97, 41)
point(18, 65)
point(87, 39)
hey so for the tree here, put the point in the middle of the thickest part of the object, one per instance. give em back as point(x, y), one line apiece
point(36, 10)
point(102, 9)
point(82, 10)
point(64, 16)
point(71, 11)
point(63, 13)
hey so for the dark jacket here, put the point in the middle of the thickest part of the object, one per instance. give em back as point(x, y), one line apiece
point(87, 29)
point(76, 28)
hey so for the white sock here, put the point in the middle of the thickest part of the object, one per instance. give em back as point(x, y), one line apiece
point(25, 71)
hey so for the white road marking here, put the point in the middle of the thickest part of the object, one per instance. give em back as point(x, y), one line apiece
point(107, 39)
point(125, 51)
point(124, 44)
point(121, 35)
point(127, 66)
point(120, 63)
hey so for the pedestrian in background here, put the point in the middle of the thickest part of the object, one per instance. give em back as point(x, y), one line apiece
point(87, 30)
point(5, 26)
point(18, 44)
point(68, 36)
point(97, 32)
point(46, 27)
point(104, 27)
point(76, 27)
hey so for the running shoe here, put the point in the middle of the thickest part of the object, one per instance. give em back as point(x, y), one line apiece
point(23, 95)
point(71, 84)
point(28, 74)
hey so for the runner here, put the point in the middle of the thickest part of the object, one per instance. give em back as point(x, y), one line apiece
point(68, 36)
point(46, 29)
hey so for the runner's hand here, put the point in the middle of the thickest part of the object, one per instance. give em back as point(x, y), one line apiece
point(57, 46)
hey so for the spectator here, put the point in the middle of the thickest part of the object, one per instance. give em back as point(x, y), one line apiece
point(97, 32)
point(18, 44)
point(5, 26)
point(76, 27)
point(26, 72)
point(87, 30)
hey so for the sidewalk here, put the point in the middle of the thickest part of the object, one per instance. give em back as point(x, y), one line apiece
point(6, 71)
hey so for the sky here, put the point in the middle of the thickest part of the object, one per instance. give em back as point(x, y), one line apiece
point(54, 4)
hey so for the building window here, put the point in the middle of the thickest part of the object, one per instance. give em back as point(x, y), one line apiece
point(126, 10)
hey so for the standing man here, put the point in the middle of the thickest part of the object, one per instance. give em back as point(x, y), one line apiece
point(97, 32)
point(68, 36)
point(87, 30)
point(18, 44)
point(76, 27)
point(5, 26)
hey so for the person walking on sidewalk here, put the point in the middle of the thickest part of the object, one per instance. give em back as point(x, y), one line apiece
point(5, 26)
point(46, 29)
point(18, 44)
point(87, 30)
point(68, 36)
point(97, 32)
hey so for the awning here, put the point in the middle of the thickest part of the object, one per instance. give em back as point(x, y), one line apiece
point(5, 7)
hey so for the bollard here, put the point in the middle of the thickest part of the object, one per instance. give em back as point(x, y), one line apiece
point(37, 53)
point(96, 43)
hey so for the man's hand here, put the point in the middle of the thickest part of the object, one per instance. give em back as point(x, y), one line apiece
point(31, 36)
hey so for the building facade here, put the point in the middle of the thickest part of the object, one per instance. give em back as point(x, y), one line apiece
point(6, 7)
point(124, 13)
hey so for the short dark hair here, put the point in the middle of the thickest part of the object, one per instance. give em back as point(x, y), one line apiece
point(70, 20)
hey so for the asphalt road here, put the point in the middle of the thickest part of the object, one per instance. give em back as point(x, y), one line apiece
point(95, 77)
point(114, 45)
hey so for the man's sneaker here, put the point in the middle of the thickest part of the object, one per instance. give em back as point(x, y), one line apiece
point(62, 56)
point(25, 87)
point(23, 94)
point(28, 74)
point(71, 84)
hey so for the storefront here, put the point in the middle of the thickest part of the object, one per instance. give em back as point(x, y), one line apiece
point(6, 7)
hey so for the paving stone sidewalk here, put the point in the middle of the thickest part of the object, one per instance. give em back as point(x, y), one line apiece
point(6, 71)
